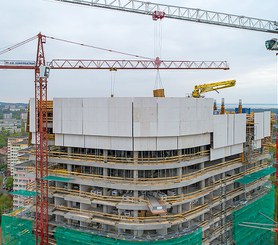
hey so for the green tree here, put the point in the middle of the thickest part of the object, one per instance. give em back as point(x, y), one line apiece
point(9, 183)
point(6, 203)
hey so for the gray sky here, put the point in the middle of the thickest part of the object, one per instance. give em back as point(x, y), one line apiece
point(254, 68)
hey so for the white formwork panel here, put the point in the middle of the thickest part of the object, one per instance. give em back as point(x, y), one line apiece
point(97, 142)
point(120, 117)
point(188, 114)
point(204, 115)
point(95, 116)
point(59, 139)
point(168, 123)
point(190, 141)
point(57, 115)
point(267, 119)
point(225, 151)
point(167, 143)
point(218, 153)
point(220, 132)
point(121, 143)
point(257, 144)
point(239, 128)
point(74, 140)
point(72, 116)
point(230, 129)
point(259, 125)
point(145, 117)
point(236, 149)
point(32, 116)
point(145, 144)
point(196, 116)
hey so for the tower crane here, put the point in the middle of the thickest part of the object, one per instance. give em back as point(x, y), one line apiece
point(157, 11)
point(208, 87)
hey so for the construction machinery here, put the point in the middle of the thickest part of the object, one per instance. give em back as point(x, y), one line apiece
point(208, 87)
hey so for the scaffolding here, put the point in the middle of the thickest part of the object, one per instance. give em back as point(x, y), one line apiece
point(256, 212)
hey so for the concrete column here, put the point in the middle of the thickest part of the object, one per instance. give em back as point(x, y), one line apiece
point(69, 167)
point(104, 210)
point(179, 172)
point(180, 155)
point(69, 151)
point(202, 148)
point(135, 157)
point(105, 153)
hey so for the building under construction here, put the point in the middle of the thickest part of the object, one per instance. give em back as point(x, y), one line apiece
point(152, 170)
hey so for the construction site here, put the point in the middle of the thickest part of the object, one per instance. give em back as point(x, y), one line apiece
point(144, 170)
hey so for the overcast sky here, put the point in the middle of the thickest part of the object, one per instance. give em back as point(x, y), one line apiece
point(254, 68)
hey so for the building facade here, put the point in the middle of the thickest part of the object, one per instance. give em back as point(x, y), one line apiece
point(153, 168)
point(14, 146)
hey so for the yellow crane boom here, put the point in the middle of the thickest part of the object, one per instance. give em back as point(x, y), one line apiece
point(204, 88)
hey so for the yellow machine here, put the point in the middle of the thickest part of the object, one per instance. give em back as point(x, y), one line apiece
point(203, 88)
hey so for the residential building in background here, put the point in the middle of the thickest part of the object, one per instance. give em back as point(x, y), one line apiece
point(14, 145)
point(21, 182)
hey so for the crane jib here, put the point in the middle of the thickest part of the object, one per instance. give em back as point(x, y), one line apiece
point(183, 13)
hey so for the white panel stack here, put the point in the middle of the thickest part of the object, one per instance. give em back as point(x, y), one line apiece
point(145, 117)
point(267, 119)
point(259, 125)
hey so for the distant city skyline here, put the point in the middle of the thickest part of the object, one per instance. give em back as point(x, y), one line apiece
point(254, 68)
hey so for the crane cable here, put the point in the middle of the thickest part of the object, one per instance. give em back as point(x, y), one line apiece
point(99, 48)
point(158, 50)
point(113, 79)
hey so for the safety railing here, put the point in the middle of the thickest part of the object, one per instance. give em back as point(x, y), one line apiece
point(130, 219)
point(128, 160)
point(160, 180)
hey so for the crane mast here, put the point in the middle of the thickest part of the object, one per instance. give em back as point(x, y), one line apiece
point(158, 11)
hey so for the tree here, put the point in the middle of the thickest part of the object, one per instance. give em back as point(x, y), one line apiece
point(9, 183)
point(6, 203)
